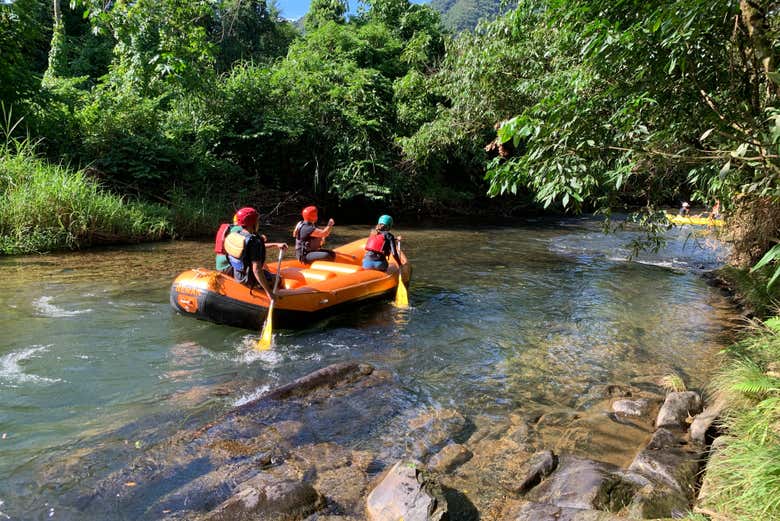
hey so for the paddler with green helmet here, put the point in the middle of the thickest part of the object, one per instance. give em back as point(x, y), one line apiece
point(380, 245)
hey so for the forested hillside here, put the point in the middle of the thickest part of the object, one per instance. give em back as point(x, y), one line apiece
point(575, 105)
point(463, 15)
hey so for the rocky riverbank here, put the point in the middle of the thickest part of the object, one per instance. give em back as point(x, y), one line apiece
point(291, 454)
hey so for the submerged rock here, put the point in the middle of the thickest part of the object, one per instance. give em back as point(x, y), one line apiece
point(431, 430)
point(449, 458)
point(677, 408)
point(532, 511)
point(538, 467)
point(640, 407)
point(658, 501)
point(262, 459)
point(266, 498)
point(406, 493)
point(586, 485)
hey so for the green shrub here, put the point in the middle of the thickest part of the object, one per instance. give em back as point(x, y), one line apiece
point(47, 207)
point(746, 473)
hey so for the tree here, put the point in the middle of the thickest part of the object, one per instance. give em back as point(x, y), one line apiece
point(22, 49)
point(323, 11)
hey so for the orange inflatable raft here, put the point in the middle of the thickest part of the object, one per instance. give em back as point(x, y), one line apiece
point(305, 290)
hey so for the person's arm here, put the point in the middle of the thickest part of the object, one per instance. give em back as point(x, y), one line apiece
point(323, 232)
point(394, 250)
point(280, 245)
point(401, 254)
point(257, 269)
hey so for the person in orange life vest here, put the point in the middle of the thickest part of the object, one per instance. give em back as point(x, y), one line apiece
point(246, 251)
point(309, 238)
point(380, 245)
point(221, 261)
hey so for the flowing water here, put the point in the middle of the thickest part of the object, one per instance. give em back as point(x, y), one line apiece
point(503, 320)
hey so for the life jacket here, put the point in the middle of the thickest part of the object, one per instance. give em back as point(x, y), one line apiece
point(235, 245)
point(377, 243)
point(305, 244)
point(219, 240)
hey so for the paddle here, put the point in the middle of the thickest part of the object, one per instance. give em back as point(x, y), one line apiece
point(401, 297)
point(267, 335)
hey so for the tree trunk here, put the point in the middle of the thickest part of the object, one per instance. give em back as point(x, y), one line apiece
point(57, 58)
point(754, 19)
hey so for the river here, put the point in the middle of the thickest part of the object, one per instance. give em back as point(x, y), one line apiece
point(503, 319)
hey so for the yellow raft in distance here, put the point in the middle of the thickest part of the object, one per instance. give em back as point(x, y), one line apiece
point(695, 221)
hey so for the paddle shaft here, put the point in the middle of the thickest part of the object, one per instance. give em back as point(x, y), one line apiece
point(267, 334)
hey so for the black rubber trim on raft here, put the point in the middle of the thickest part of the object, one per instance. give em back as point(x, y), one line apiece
point(220, 309)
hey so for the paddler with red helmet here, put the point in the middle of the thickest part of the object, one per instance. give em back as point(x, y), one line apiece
point(246, 251)
point(309, 238)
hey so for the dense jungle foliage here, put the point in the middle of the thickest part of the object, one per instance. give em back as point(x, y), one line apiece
point(567, 105)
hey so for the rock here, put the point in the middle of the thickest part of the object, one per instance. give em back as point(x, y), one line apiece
point(336, 472)
point(346, 372)
point(532, 511)
point(406, 493)
point(449, 458)
point(703, 421)
point(667, 459)
point(653, 502)
point(585, 484)
point(538, 467)
point(219, 465)
point(264, 498)
point(676, 409)
point(632, 407)
point(432, 429)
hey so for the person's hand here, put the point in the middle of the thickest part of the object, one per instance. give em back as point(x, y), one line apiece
point(399, 238)
point(264, 238)
point(331, 222)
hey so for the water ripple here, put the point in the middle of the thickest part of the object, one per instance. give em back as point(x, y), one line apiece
point(45, 308)
point(12, 373)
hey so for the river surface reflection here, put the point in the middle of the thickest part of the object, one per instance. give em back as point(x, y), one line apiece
point(504, 321)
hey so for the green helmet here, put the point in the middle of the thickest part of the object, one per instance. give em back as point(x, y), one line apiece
point(386, 220)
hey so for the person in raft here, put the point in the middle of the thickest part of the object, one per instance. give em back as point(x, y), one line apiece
point(221, 261)
point(309, 238)
point(685, 209)
point(380, 245)
point(246, 251)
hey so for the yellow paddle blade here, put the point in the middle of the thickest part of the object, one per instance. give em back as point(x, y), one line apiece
point(401, 297)
point(266, 337)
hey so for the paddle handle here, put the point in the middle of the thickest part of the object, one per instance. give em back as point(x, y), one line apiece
point(278, 273)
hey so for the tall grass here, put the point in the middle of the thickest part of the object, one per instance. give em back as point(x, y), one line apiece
point(47, 207)
point(746, 474)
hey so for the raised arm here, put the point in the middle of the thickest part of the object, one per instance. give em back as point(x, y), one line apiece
point(323, 232)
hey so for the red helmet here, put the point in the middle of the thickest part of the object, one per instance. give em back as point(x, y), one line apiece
point(309, 214)
point(247, 217)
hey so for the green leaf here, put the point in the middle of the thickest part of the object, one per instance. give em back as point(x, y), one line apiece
point(771, 255)
point(725, 169)
point(773, 324)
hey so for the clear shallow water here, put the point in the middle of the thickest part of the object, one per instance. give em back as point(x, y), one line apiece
point(503, 320)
